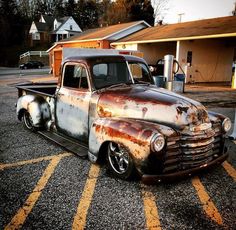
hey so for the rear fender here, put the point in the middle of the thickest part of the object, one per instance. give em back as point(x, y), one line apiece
point(37, 107)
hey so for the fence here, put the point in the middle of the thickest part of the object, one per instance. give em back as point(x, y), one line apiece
point(36, 56)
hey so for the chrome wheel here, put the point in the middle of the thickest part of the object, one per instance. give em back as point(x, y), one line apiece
point(119, 161)
point(28, 122)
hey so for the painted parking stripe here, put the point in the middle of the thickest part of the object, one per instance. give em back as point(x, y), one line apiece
point(208, 206)
point(20, 217)
point(86, 198)
point(32, 161)
point(230, 170)
point(150, 209)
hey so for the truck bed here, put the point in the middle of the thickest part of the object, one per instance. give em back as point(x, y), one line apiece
point(44, 89)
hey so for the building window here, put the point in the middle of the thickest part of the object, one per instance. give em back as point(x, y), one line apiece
point(36, 36)
point(71, 27)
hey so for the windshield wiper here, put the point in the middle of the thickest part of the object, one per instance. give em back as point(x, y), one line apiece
point(141, 82)
point(119, 84)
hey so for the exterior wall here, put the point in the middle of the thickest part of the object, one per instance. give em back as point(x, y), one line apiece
point(127, 47)
point(67, 24)
point(33, 28)
point(55, 55)
point(151, 51)
point(56, 24)
point(155, 51)
point(211, 60)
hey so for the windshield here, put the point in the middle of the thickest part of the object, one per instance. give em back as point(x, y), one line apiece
point(140, 72)
point(106, 74)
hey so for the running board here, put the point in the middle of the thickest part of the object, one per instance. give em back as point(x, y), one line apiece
point(66, 143)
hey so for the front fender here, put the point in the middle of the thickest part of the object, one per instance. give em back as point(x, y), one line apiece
point(37, 107)
point(134, 135)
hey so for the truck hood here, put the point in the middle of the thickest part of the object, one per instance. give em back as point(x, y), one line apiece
point(153, 104)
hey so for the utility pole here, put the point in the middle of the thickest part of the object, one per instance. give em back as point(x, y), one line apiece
point(180, 17)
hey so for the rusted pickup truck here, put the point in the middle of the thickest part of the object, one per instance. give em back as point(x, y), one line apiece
point(107, 108)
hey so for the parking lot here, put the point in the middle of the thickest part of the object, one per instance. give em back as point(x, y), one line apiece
point(42, 186)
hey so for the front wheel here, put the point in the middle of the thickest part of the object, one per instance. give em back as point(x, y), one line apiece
point(119, 161)
point(28, 122)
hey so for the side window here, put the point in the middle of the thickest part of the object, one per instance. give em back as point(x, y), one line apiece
point(75, 76)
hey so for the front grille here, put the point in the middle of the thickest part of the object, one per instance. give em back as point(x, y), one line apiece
point(192, 149)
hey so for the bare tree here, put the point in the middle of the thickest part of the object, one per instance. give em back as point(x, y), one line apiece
point(234, 11)
point(160, 9)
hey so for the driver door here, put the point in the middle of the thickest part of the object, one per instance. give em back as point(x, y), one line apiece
point(72, 103)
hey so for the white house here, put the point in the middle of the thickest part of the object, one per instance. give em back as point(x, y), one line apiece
point(65, 27)
point(49, 29)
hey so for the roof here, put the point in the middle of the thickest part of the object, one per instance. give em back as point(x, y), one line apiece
point(107, 57)
point(41, 27)
point(104, 32)
point(101, 33)
point(207, 28)
point(63, 19)
point(49, 20)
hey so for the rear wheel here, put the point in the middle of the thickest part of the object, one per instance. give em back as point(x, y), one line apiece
point(28, 122)
point(119, 161)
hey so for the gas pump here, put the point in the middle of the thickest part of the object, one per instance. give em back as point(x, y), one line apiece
point(173, 80)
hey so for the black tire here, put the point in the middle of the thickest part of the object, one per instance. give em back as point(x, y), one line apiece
point(120, 162)
point(28, 123)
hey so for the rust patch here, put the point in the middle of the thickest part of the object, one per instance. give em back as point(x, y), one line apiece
point(97, 128)
point(144, 110)
point(103, 112)
point(180, 110)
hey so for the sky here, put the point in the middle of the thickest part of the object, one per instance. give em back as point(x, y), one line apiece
point(195, 9)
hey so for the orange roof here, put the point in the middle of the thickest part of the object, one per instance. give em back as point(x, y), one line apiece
point(102, 32)
point(216, 27)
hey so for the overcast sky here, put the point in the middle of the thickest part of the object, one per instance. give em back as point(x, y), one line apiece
point(197, 9)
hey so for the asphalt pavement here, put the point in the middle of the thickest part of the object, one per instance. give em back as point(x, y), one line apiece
point(42, 186)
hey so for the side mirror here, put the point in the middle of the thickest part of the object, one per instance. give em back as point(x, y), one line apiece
point(159, 81)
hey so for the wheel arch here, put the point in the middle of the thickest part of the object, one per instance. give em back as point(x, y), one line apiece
point(134, 135)
point(37, 106)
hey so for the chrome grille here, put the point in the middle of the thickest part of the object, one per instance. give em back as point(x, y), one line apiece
point(192, 149)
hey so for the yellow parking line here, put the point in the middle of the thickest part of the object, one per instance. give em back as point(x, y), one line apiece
point(19, 219)
point(230, 170)
point(32, 161)
point(150, 210)
point(86, 198)
point(208, 205)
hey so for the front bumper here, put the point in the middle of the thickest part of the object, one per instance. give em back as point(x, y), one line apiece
point(154, 179)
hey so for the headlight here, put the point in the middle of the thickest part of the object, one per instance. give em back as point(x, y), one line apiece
point(226, 125)
point(158, 143)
